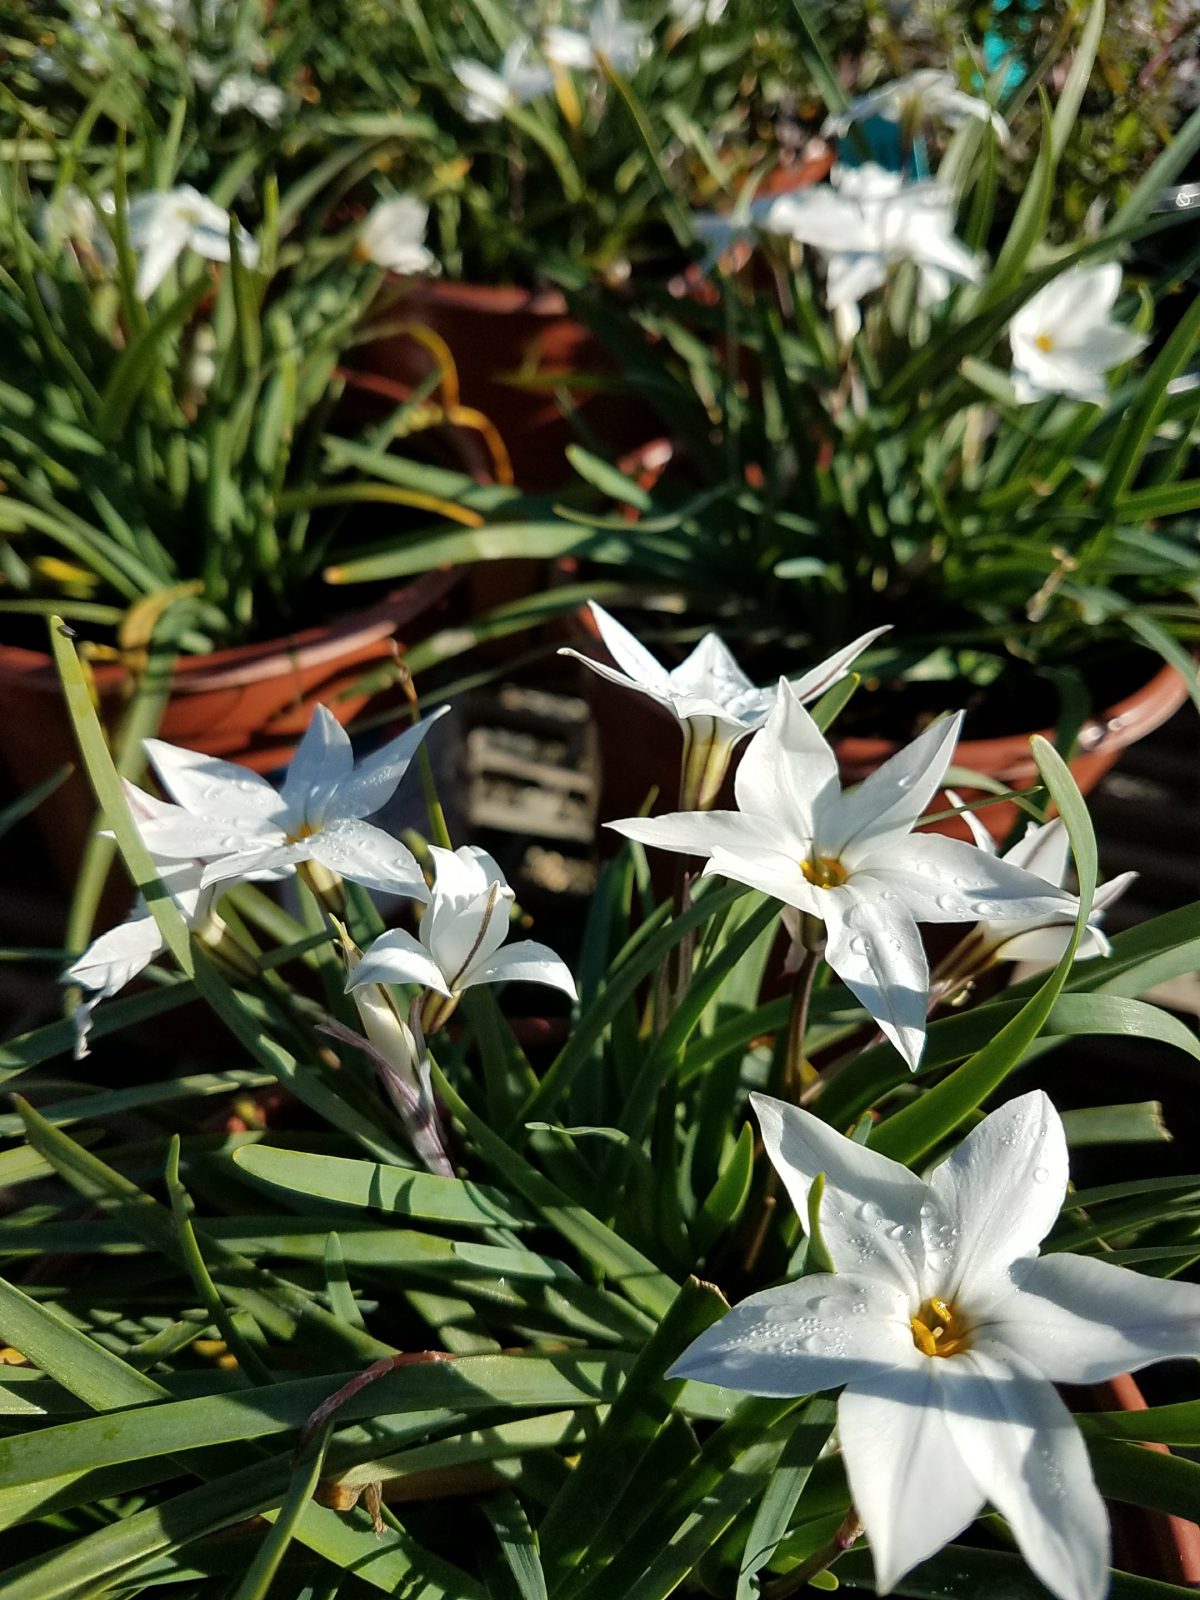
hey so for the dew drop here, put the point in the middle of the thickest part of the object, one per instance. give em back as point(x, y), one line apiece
point(859, 945)
point(1040, 1174)
point(946, 902)
point(870, 1212)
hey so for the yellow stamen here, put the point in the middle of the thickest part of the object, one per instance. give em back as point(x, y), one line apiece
point(1044, 341)
point(825, 872)
point(939, 1330)
point(304, 831)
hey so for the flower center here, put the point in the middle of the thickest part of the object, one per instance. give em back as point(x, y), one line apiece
point(824, 872)
point(1045, 341)
point(939, 1330)
point(304, 831)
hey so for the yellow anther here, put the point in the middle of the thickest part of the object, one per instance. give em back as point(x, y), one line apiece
point(1044, 341)
point(824, 872)
point(304, 831)
point(939, 1330)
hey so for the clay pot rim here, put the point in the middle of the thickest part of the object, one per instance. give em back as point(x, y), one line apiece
point(252, 663)
point(1138, 713)
point(495, 299)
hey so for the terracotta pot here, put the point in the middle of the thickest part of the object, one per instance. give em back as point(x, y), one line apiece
point(640, 747)
point(499, 336)
point(1162, 1547)
point(249, 704)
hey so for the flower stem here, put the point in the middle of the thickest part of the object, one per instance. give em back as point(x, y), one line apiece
point(439, 833)
point(802, 988)
point(820, 1561)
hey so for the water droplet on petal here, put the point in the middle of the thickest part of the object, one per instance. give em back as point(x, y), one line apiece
point(1040, 1174)
point(859, 945)
point(870, 1212)
point(946, 902)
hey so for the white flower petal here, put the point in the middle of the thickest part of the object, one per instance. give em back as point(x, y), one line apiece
point(323, 760)
point(851, 277)
point(906, 1477)
point(258, 862)
point(458, 934)
point(787, 772)
point(162, 247)
point(997, 1197)
point(623, 680)
point(634, 660)
point(1020, 1445)
point(368, 856)
point(834, 668)
point(803, 1337)
point(695, 833)
point(821, 217)
point(396, 957)
point(871, 1209)
point(711, 672)
point(1044, 850)
point(116, 957)
point(893, 797)
point(524, 962)
point(1077, 1320)
point(948, 880)
point(772, 872)
point(875, 949)
point(375, 779)
point(188, 837)
point(210, 787)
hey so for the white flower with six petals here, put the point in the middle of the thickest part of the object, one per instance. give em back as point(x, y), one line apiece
point(948, 1332)
point(241, 824)
point(849, 858)
point(1064, 339)
point(392, 235)
point(708, 694)
point(866, 221)
point(166, 222)
point(460, 938)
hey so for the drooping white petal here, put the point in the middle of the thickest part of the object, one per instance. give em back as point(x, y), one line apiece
point(851, 276)
point(393, 235)
point(116, 957)
point(893, 797)
point(323, 760)
point(694, 833)
point(622, 679)
point(368, 856)
point(375, 779)
point(948, 880)
point(1077, 1320)
point(163, 244)
point(871, 1209)
point(875, 949)
point(214, 788)
point(787, 773)
point(1046, 945)
point(996, 1197)
point(1020, 1445)
point(526, 961)
point(906, 1476)
point(802, 1337)
point(396, 957)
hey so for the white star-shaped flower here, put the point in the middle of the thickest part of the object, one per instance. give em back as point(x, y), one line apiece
point(460, 941)
point(241, 824)
point(946, 1333)
point(925, 96)
point(712, 699)
point(243, 91)
point(489, 94)
point(850, 859)
point(867, 220)
point(610, 37)
point(166, 222)
point(393, 236)
point(1064, 339)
